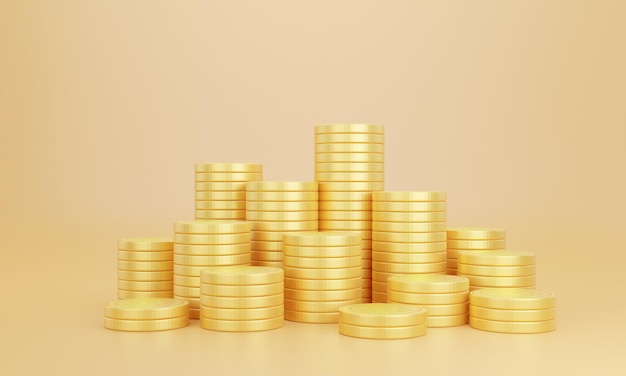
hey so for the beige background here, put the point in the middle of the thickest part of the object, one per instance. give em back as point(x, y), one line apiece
point(515, 108)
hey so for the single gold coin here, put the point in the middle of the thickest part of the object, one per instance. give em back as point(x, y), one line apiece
point(408, 206)
point(241, 302)
point(220, 214)
point(194, 271)
point(304, 306)
point(211, 260)
point(228, 176)
point(349, 157)
point(202, 186)
point(409, 227)
point(282, 196)
point(345, 215)
point(345, 206)
point(425, 299)
point(212, 227)
point(448, 321)
point(242, 314)
point(513, 315)
point(228, 195)
point(484, 281)
point(322, 262)
point(371, 332)
point(350, 147)
point(144, 286)
point(349, 167)
point(497, 271)
point(146, 308)
point(266, 256)
point(144, 266)
point(220, 205)
point(228, 167)
point(349, 128)
point(321, 239)
point(383, 276)
point(322, 251)
point(410, 258)
point(446, 309)
point(219, 239)
point(403, 237)
point(350, 176)
point(512, 327)
point(497, 258)
point(146, 325)
point(241, 325)
point(409, 217)
point(312, 317)
point(389, 267)
point(334, 138)
point(323, 284)
point(185, 280)
point(516, 298)
point(322, 296)
point(382, 315)
point(282, 216)
point(345, 225)
point(429, 284)
point(267, 246)
point(379, 297)
point(145, 244)
point(242, 275)
point(128, 294)
point(145, 256)
point(476, 244)
point(408, 196)
point(282, 186)
point(129, 275)
point(344, 196)
point(277, 206)
point(273, 264)
point(476, 233)
point(186, 291)
point(211, 249)
point(318, 273)
point(285, 226)
point(242, 290)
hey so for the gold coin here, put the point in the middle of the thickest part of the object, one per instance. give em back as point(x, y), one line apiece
point(146, 308)
point(379, 286)
point(242, 275)
point(366, 254)
point(202, 186)
point(403, 237)
point(322, 262)
point(322, 296)
point(350, 147)
point(228, 167)
point(523, 281)
point(334, 138)
point(447, 321)
point(345, 225)
point(194, 303)
point(145, 266)
point(453, 254)
point(274, 264)
point(372, 332)
point(129, 294)
point(193, 292)
point(194, 313)
point(339, 273)
point(344, 196)
point(267, 246)
point(388, 267)
point(185, 280)
point(241, 325)
point(145, 244)
point(211, 249)
point(282, 216)
point(312, 317)
point(409, 217)
point(211, 227)
point(321, 239)
point(497, 271)
point(129, 275)
point(145, 256)
point(350, 128)
point(241, 302)
point(194, 271)
point(289, 206)
point(220, 214)
point(476, 233)
point(146, 325)
point(282, 186)
point(269, 236)
point(379, 297)
point(219, 239)
point(409, 196)
point(144, 285)
point(285, 226)
point(345, 215)
point(228, 176)
point(350, 176)
point(383, 276)
point(322, 251)
point(242, 291)
point(404, 227)
point(220, 205)
point(323, 284)
point(366, 263)
point(242, 314)
point(266, 256)
point(345, 206)
point(349, 158)
point(337, 187)
point(513, 315)
point(476, 244)
point(408, 206)
point(425, 299)
point(409, 258)
point(304, 306)
point(497, 258)
point(521, 327)
point(516, 298)
point(228, 195)
point(349, 167)
point(211, 260)
point(382, 315)
point(446, 309)
point(281, 196)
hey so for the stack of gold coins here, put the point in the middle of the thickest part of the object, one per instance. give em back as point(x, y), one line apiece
point(497, 269)
point(146, 314)
point(513, 310)
point(274, 208)
point(382, 321)
point(322, 274)
point(409, 236)
point(241, 298)
point(349, 165)
point(221, 189)
point(472, 239)
point(144, 268)
point(445, 297)
point(202, 244)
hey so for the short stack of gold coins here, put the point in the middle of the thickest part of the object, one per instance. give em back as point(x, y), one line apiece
point(146, 314)
point(221, 189)
point(513, 310)
point(202, 244)
point(349, 165)
point(144, 268)
point(241, 298)
point(497, 269)
point(409, 236)
point(472, 239)
point(273, 208)
point(382, 321)
point(322, 274)
point(445, 297)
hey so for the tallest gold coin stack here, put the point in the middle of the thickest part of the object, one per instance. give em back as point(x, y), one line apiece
point(349, 166)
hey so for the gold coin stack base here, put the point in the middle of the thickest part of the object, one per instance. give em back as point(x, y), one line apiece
point(522, 311)
point(274, 208)
point(220, 189)
point(497, 269)
point(146, 314)
point(408, 236)
point(322, 273)
point(472, 239)
point(445, 297)
point(202, 244)
point(144, 268)
point(241, 298)
point(382, 321)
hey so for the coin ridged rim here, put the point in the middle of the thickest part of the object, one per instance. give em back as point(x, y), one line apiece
point(409, 216)
point(212, 239)
point(146, 325)
point(344, 215)
point(428, 283)
point(416, 237)
point(448, 321)
point(323, 284)
point(205, 261)
point(278, 206)
point(145, 256)
point(519, 327)
point(427, 298)
point(242, 325)
point(391, 267)
point(228, 167)
point(217, 196)
point(345, 206)
point(409, 227)
point(146, 308)
point(220, 205)
point(242, 314)
point(396, 332)
point(318, 307)
point(145, 266)
point(515, 298)
point(349, 158)
point(319, 273)
point(219, 177)
point(146, 244)
point(242, 290)
point(403, 196)
point(513, 315)
point(322, 295)
point(349, 128)
point(409, 258)
point(496, 270)
point(242, 275)
point(322, 251)
point(144, 285)
point(350, 176)
point(285, 226)
point(409, 207)
point(478, 245)
point(282, 196)
point(322, 262)
point(206, 227)
point(349, 167)
point(476, 233)
point(383, 276)
point(312, 317)
point(241, 302)
point(211, 249)
point(382, 315)
point(349, 137)
point(497, 258)
point(282, 186)
point(321, 239)
point(282, 216)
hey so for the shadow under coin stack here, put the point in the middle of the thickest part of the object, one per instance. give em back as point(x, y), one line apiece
point(409, 236)
point(221, 189)
point(382, 321)
point(445, 297)
point(202, 244)
point(349, 165)
point(513, 310)
point(144, 268)
point(146, 314)
point(322, 274)
point(497, 269)
point(277, 207)
point(472, 239)
point(241, 298)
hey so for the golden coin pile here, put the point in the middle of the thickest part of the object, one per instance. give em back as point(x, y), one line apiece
point(445, 297)
point(274, 208)
point(513, 310)
point(492, 269)
point(349, 165)
point(409, 236)
point(241, 298)
point(146, 314)
point(144, 268)
point(202, 244)
point(322, 274)
point(472, 239)
point(382, 321)
point(221, 189)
